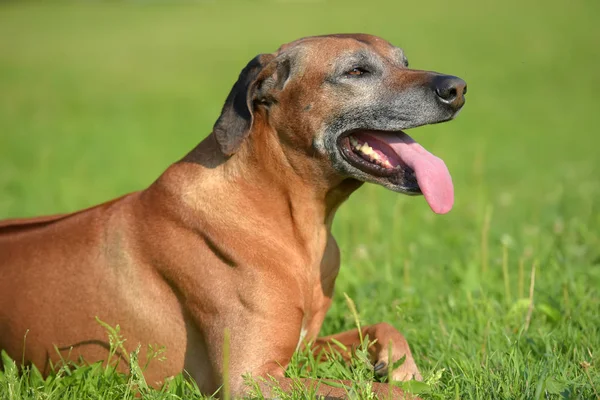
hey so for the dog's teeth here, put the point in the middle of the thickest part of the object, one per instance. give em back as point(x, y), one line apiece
point(370, 154)
point(366, 149)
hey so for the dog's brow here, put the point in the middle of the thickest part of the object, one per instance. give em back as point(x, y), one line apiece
point(400, 56)
point(360, 57)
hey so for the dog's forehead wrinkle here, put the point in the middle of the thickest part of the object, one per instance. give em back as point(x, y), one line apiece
point(340, 51)
point(342, 41)
point(360, 55)
point(363, 58)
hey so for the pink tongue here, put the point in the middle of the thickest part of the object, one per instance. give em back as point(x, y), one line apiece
point(432, 174)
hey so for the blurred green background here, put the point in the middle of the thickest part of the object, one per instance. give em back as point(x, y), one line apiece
point(98, 98)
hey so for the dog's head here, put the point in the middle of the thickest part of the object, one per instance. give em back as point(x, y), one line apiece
point(342, 101)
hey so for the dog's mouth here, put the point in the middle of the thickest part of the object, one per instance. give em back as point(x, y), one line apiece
point(402, 163)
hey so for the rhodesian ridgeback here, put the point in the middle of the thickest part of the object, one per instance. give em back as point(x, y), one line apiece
point(236, 236)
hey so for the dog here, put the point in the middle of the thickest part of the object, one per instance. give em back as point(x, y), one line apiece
point(236, 236)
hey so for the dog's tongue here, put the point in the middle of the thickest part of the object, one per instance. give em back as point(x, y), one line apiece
point(432, 174)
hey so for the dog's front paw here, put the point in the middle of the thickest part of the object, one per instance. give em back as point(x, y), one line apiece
point(391, 343)
point(404, 372)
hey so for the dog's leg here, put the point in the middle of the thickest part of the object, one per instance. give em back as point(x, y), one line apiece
point(252, 351)
point(385, 336)
point(323, 390)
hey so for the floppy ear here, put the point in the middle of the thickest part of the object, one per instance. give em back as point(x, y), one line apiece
point(273, 79)
point(235, 121)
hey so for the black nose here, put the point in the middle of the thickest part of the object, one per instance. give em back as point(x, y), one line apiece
point(450, 90)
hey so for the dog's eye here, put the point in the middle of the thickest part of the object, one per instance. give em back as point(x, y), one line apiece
point(357, 71)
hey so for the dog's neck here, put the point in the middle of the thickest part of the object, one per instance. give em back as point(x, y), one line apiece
point(267, 173)
point(259, 180)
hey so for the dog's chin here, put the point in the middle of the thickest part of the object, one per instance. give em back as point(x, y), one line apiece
point(375, 167)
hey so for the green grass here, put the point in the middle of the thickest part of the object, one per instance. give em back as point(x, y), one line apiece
point(96, 99)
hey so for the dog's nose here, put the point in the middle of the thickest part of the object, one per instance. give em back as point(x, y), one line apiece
point(450, 90)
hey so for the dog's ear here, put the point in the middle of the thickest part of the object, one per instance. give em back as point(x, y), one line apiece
point(273, 79)
point(236, 118)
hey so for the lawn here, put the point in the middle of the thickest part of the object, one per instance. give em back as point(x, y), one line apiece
point(97, 99)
